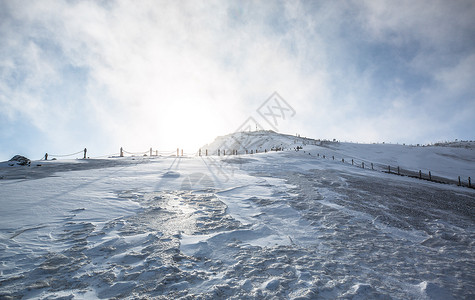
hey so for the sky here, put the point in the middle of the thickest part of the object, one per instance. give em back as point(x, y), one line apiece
point(176, 74)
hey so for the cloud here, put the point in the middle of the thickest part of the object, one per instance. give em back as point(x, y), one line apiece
point(167, 74)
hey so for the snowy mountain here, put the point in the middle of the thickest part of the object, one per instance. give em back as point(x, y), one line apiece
point(282, 224)
point(255, 140)
point(445, 160)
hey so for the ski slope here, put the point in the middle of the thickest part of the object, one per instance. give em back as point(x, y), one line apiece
point(270, 225)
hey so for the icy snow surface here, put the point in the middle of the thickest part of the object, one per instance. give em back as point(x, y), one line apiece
point(269, 225)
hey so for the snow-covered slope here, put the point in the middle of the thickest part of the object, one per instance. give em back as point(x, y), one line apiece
point(255, 140)
point(275, 225)
point(448, 160)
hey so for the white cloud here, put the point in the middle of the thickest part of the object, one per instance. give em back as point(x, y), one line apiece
point(171, 74)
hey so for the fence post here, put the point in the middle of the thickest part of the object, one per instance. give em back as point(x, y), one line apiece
point(246, 151)
point(199, 152)
point(181, 152)
point(398, 173)
point(459, 182)
point(342, 160)
point(121, 152)
point(224, 152)
point(420, 174)
point(362, 164)
point(46, 156)
point(177, 152)
point(219, 152)
point(469, 182)
point(156, 152)
point(333, 157)
point(352, 161)
point(323, 155)
point(150, 151)
point(430, 176)
point(206, 152)
point(372, 166)
point(85, 151)
point(265, 150)
point(389, 169)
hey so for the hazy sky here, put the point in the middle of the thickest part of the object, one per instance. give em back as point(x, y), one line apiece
point(168, 74)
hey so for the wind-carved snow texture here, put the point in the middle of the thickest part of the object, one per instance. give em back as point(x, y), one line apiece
point(128, 257)
point(286, 225)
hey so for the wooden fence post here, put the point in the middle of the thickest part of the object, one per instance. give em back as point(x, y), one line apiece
point(362, 164)
point(224, 152)
point(352, 161)
point(177, 152)
point(150, 151)
point(333, 157)
point(85, 151)
point(181, 152)
point(420, 174)
point(206, 152)
point(121, 152)
point(430, 176)
point(199, 152)
point(372, 166)
point(398, 173)
point(342, 160)
point(469, 182)
point(459, 182)
point(156, 152)
point(389, 169)
point(219, 152)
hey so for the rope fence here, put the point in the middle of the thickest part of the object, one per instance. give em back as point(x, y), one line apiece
point(65, 155)
point(394, 170)
point(150, 153)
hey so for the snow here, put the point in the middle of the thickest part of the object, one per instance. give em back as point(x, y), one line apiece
point(280, 224)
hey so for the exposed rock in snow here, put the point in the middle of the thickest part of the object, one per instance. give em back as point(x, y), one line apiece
point(20, 160)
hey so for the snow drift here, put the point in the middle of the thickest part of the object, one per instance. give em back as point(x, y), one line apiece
point(270, 225)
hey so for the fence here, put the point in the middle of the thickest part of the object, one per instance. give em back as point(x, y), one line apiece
point(395, 170)
point(150, 152)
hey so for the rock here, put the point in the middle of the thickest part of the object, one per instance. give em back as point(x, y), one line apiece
point(21, 160)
